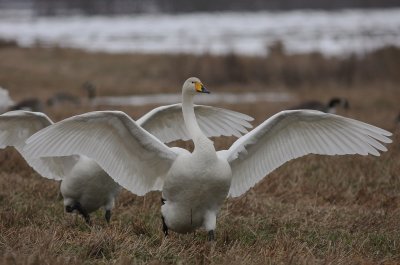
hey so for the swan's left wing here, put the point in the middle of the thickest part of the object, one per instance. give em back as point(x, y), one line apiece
point(129, 154)
point(295, 133)
point(167, 124)
point(17, 126)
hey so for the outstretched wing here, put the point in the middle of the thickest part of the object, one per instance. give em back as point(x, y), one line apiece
point(128, 153)
point(167, 124)
point(291, 134)
point(17, 126)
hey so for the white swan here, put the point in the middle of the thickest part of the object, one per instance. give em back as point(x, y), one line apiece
point(85, 186)
point(5, 100)
point(196, 184)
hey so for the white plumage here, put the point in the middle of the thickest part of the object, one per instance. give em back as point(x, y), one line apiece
point(294, 133)
point(196, 184)
point(5, 100)
point(85, 186)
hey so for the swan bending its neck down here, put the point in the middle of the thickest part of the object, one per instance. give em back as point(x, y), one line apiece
point(194, 185)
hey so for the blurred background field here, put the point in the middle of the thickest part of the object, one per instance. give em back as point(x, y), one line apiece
point(315, 210)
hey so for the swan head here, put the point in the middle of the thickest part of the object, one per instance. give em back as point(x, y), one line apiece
point(193, 85)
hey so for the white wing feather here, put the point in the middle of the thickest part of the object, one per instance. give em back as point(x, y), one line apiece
point(128, 153)
point(17, 126)
point(167, 124)
point(291, 134)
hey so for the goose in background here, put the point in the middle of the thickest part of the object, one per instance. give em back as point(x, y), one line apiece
point(397, 120)
point(90, 90)
point(29, 104)
point(36, 105)
point(63, 97)
point(86, 187)
point(194, 185)
point(328, 108)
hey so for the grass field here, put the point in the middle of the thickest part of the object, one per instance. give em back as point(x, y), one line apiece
point(314, 210)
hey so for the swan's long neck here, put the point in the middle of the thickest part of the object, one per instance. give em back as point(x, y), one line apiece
point(198, 137)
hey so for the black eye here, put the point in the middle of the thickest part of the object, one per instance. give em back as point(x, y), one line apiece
point(192, 82)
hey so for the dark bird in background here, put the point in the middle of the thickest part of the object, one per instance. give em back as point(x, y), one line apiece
point(67, 98)
point(59, 98)
point(329, 108)
point(398, 119)
point(90, 90)
point(29, 104)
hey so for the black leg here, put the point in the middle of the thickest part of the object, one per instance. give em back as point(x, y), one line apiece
point(108, 216)
point(83, 212)
point(164, 226)
point(211, 235)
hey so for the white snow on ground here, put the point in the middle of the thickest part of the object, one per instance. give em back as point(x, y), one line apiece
point(332, 33)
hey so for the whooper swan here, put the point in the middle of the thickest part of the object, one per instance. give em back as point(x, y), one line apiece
point(197, 183)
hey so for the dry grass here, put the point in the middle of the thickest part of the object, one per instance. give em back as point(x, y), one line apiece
point(315, 210)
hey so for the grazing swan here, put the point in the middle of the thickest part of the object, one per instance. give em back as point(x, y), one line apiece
point(85, 186)
point(196, 184)
point(328, 108)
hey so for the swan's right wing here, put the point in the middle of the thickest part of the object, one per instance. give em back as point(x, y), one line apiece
point(128, 153)
point(17, 126)
point(167, 124)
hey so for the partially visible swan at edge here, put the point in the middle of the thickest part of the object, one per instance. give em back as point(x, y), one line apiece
point(5, 100)
point(196, 184)
point(85, 186)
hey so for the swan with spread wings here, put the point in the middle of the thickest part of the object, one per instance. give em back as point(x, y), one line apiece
point(85, 186)
point(195, 184)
